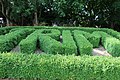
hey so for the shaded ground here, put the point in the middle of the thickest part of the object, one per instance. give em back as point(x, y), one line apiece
point(17, 50)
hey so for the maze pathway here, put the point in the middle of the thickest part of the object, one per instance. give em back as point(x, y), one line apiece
point(16, 49)
point(100, 51)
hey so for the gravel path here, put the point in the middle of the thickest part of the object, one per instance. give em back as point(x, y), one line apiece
point(17, 50)
point(100, 52)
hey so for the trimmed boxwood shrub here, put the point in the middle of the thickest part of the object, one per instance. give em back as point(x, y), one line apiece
point(69, 45)
point(114, 33)
point(111, 44)
point(50, 45)
point(10, 40)
point(53, 33)
point(84, 46)
point(28, 45)
point(4, 30)
point(61, 28)
point(94, 40)
point(57, 67)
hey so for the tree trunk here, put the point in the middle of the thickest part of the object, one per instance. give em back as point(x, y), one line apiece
point(112, 25)
point(7, 18)
point(4, 13)
point(35, 19)
point(22, 21)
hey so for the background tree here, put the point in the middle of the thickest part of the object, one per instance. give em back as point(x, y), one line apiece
point(92, 13)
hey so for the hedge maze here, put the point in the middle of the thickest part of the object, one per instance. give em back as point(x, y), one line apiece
point(67, 53)
point(59, 41)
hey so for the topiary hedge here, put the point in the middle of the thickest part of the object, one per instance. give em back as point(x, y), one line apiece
point(29, 44)
point(10, 40)
point(57, 67)
point(50, 45)
point(111, 44)
point(4, 30)
point(68, 43)
point(84, 46)
point(94, 40)
point(114, 33)
point(53, 33)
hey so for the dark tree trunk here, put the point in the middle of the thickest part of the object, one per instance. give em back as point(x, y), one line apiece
point(35, 19)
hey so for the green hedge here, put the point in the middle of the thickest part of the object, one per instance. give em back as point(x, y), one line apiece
point(94, 40)
point(114, 33)
point(57, 67)
point(84, 46)
point(50, 45)
point(53, 33)
point(111, 44)
point(69, 45)
point(87, 29)
point(29, 44)
point(4, 30)
point(10, 40)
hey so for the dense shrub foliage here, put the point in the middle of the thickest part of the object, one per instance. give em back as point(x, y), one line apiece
point(59, 40)
point(53, 33)
point(94, 40)
point(11, 39)
point(4, 30)
point(29, 44)
point(100, 13)
point(61, 45)
point(69, 45)
point(111, 44)
point(50, 45)
point(84, 46)
point(52, 67)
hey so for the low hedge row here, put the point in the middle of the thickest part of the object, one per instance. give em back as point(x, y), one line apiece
point(61, 28)
point(50, 45)
point(29, 44)
point(87, 29)
point(84, 46)
point(4, 30)
point(57, 67)
point(94, 40)
point(114, 33)
point(111, 44)
point(10, 40)
point(68, 43)
point(53, 33)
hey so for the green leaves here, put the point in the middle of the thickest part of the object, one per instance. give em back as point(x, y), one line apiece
point(28, 45)
point(10, 40)
point(111, 44)
point(84, 46)
point(68, 43)
point(53, 67)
